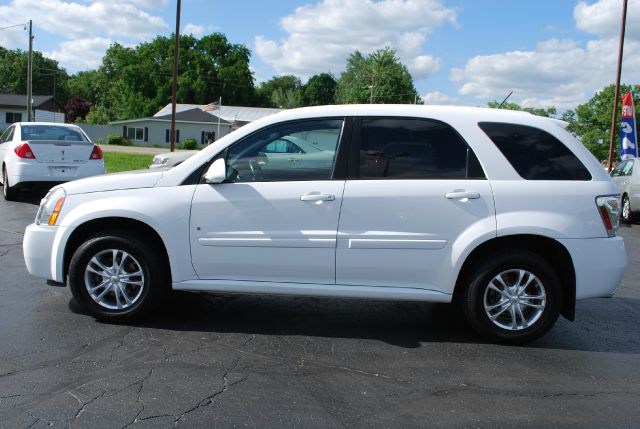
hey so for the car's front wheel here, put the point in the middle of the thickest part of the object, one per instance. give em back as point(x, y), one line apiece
point(118, 278)
point(512, 297)
point(9, 192)
point(627, 213)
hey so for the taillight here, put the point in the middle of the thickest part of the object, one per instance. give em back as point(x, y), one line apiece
point(24, 151)
point(609, 209)
point(96, 153)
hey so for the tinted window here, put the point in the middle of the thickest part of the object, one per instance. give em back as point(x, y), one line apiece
point(628, 168)
point(302, 150)
point(51, 132)
point(414, 148)
point(534, 153)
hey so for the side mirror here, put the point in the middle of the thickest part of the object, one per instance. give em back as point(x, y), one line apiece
point(217, 172)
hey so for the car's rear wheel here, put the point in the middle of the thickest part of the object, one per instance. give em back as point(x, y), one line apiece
point(117, 278)
point(512, 297)
point(10, 193)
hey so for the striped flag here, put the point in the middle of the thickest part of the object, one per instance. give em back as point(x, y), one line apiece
point(628, 130)
point(211, 106)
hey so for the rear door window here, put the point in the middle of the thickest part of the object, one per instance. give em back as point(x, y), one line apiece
point(406, 148)
point(535, 154)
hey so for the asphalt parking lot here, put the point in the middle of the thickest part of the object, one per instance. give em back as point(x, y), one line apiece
point(265, 362)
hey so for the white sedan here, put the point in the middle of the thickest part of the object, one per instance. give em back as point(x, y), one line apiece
point(42, 154)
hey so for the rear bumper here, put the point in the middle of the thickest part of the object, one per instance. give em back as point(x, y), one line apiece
point(31, 174)
point(599, 264)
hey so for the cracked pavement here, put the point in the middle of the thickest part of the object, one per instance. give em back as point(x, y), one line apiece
point(227, 361)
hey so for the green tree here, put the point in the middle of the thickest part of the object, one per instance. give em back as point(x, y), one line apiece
point(591, 121)
point(97, 115)
point(319, 90)
point(377, 78)
point(136, 82)
point(549, 112)
point(46, 73)
point(280, 91)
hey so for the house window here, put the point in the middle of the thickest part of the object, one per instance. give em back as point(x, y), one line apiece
point(13, 117)
point(135, 133)
point(167, 139)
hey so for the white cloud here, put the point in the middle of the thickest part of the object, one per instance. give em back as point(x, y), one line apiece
point(562, 73)
point(115, 18)
point(194, 29)
point(320, 37)
point(437, 97)
point(149, 4)
point(81, 54)
point(603, 18)
point(16, 37)
point(423, 66)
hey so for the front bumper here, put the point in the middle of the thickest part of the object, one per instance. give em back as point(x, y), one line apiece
point(40, 251)
point(599, 264)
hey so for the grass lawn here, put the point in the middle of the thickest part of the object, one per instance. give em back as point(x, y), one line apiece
point(118, 161)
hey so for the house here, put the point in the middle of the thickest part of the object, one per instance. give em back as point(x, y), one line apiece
point(13, 108)
point(191, 123)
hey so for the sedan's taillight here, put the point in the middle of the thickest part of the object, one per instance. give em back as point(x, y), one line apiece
point(609, 209)
point(96, 153)
point(24, 151)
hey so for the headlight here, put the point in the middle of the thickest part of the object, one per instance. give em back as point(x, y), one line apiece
point(50, 207)
point(158, 160)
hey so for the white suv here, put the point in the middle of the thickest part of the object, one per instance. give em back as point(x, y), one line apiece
point(502, 212)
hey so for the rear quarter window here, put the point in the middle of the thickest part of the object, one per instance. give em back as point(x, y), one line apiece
point(534, 153)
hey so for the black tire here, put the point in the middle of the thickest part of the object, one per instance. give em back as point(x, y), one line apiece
point(477, 290)
point(626, 215)
point(142, 258)
point(10, 193)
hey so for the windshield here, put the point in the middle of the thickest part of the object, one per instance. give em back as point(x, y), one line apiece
point(52, 132)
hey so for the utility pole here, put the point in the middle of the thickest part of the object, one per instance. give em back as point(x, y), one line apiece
point(614, 118)
point(30, 75)
point(174, 88)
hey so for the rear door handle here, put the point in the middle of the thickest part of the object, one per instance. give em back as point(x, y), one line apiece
point(317, 196)
point(459, 195)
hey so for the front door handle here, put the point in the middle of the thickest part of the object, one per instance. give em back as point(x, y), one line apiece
point(460, 194)
point(317, 196)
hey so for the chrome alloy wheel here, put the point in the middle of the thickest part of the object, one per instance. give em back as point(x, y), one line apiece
point(626, 209)
point(514, 299)
point(114, 279)
point(5, 182)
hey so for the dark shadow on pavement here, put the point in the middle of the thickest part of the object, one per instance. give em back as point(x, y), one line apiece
point(404, 324)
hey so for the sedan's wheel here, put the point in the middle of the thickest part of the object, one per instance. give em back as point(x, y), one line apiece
point(512, 298)
point(9, 192)
point(117, 278)
point(626, 214)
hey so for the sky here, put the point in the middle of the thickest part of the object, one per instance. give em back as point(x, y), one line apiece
point(548, 52)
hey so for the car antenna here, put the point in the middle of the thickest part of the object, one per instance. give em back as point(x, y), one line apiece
point(505, 99)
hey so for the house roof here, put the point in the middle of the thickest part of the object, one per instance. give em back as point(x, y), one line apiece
point(226, 113)
point(192, 115)
point(20, 100)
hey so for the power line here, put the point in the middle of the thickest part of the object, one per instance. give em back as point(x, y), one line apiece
point(13, 26)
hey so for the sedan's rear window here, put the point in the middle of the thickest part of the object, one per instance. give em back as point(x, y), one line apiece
point(535, 154)
point(51, 132)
